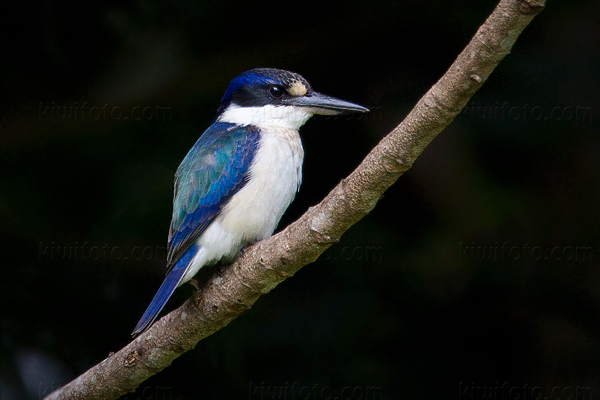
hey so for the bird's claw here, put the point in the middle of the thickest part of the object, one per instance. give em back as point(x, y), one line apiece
point(194, 283)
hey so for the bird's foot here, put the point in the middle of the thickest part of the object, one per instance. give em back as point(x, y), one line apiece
point(247, 245)
point(194, 283)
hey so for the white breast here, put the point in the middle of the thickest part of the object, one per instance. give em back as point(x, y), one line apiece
point(275, 177)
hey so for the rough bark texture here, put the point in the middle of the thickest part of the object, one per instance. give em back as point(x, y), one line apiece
point(234, 289)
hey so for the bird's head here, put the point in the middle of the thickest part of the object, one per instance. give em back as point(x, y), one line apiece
point(268, 96)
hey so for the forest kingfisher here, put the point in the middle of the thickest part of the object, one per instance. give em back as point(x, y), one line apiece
point(235, 183)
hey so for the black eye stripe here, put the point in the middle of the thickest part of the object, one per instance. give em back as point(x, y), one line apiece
point(276, 91)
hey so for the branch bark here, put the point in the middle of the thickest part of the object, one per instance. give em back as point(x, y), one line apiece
point(234, 289)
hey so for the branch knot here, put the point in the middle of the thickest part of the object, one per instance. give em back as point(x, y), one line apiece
point(531, 7)
point(394, 165)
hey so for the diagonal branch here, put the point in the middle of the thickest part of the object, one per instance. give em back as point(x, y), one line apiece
point(233, 290)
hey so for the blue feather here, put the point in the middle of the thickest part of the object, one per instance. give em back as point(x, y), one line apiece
point(250, 78)
point(166, 290)
point(212, 172)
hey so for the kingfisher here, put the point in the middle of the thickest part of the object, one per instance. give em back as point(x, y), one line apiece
point(236, 182)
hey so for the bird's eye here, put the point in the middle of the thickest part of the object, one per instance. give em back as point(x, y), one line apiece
point(276, 91)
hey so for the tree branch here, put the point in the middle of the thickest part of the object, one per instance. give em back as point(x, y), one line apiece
point(234, 289)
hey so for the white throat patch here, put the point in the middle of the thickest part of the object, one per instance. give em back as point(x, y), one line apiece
point(286, 117)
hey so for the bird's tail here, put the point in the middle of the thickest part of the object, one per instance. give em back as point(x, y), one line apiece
point(166, 290)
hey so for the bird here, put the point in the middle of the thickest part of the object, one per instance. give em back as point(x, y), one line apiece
point(235, 183)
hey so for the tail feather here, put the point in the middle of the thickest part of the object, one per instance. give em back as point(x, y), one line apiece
point(166, 290)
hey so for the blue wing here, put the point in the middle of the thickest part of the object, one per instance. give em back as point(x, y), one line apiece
point(212, 172)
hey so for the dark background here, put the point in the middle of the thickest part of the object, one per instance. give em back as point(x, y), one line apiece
point(478, 269)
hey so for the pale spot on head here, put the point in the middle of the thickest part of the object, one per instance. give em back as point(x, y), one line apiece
point(297, 88)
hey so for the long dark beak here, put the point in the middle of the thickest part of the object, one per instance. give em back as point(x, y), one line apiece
point(325, 105)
